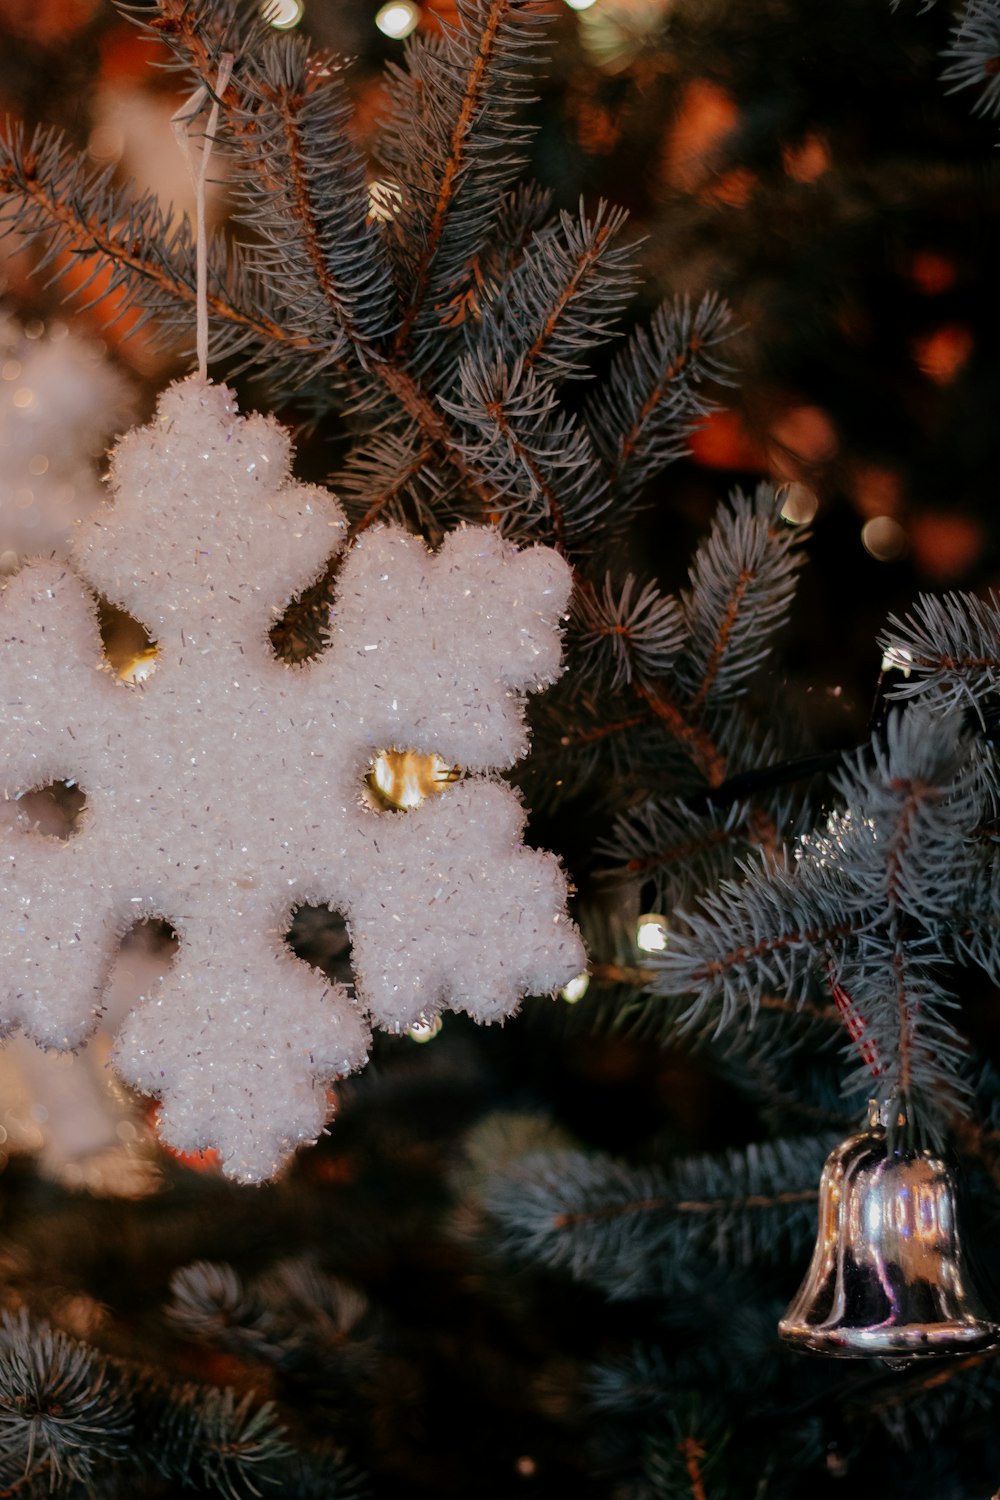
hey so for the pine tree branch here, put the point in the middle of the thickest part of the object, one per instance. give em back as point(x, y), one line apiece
point(742, 583)
point(600, 732)
point(975, 55)
point(308, 225)
point(634, 974)
point(655, 393)
point(561, 299)
point(434, 426)
point(685, 850)
point(699, 744)
point(35, 1471)
point(587, 260)
point(656, 397)
point(948, 649)
point(473, 93)
point(84, 235)
point(819, 937)
point(639, 1230)
point(692, 1452)
point(734, 1205)
point(907, 814)
point(721, 642)
point(381, 500)
point(523, 454)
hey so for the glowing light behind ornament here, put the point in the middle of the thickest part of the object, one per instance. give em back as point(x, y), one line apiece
point(580, 4)
point(398, 19)
point(651, 933)
point(402, 779)
point(138, 667)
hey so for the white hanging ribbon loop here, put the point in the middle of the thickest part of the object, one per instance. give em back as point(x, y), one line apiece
point(182, 121)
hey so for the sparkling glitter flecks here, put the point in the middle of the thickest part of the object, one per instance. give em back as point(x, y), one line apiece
point(227, 788)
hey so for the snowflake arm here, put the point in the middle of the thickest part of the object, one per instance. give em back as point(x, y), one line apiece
point(207, 1042)
point(261, 537)
point(426, 923)
point(48, 640)
point(452, 639)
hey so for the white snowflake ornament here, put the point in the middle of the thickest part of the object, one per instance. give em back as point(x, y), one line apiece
point(227, 788)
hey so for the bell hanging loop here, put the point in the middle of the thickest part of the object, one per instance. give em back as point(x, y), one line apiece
point(887, 1277)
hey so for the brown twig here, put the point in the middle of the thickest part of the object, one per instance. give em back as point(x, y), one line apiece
point(584, 262)
point(684, 1206)
point(473, 93)
point(692, 1452)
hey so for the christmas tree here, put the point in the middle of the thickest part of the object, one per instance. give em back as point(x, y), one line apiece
point(555, 1254)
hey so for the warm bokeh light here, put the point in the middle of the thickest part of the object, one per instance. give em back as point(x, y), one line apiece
point(402, 779)
point(942, 353)
point(897, 659)
point(932, 274)
point(576, 989)
point(651, 932)
point(807, 160)
point(723, 441)
point(946, 545)
point(106, 143)
point(706, 117)
point(800, 504)
point(282, 14)
point(384, 198)
point(397, 19)
point(139, 666)
point(425, 1030)
point(883, 538)
point(805, 434)
point(876, 491)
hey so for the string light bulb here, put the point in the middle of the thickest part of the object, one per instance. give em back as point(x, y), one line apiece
point(576, 989)
point(882, 537)
point(580, 4)
point(282, 14)
point(799, 504)
point(385, 198)
point(898, 659)
point(425, 1029)
point(651, 932)
point(397, 19)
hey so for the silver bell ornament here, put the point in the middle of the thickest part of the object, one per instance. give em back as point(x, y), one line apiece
point(887, 1277)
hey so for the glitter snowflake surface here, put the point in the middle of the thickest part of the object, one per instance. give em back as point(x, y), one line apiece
point(227, 789)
